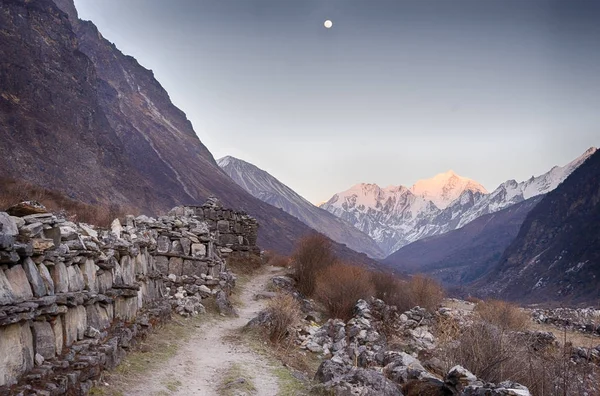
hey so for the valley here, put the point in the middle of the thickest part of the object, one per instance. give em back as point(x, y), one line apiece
point(135, 261)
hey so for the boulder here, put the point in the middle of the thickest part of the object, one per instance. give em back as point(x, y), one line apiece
point(60, 277)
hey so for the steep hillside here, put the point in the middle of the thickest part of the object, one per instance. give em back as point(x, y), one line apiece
point(79, 117)
point(463, 255)
point(268, 189)
point(556, 255)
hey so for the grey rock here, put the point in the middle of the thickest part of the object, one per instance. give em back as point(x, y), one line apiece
point(43, 337)
point(60, 277)
point(19, 284)
point(6, 294)
point(35, 280)
point(8, 224)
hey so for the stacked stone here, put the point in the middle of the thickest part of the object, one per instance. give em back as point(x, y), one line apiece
point(359, 359)
point(74, 298)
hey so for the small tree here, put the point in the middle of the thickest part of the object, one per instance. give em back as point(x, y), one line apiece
point(312, 254)
point(340, 286)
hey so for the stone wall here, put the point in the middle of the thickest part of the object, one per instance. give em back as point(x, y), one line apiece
point(74, 298)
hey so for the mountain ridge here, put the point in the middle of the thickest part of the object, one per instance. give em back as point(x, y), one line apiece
point(269, 189)
point(395, 217)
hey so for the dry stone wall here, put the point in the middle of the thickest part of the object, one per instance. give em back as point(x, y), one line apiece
point(74, 298)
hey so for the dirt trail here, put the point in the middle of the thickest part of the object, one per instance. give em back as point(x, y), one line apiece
point(199, 364)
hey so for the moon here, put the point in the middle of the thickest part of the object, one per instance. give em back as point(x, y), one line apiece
point(328, 24)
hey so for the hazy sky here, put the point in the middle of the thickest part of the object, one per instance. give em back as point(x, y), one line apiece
point(396, 91)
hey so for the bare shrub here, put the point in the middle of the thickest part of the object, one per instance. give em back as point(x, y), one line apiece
point(276, 260)
point(495, 354)
point(339, 286)
point(505, 315)
point(285, 312)
point(386, 285)
point(418, 291)
point(244, 263)
point(312, 254)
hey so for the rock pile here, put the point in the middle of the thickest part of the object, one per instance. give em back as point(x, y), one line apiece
point(360, 360)
point(585, 320)
point(74, 298)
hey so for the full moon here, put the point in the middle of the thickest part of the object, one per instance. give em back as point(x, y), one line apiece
point(328, 24)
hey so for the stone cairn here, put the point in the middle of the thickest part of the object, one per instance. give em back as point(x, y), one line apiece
point(74, 298)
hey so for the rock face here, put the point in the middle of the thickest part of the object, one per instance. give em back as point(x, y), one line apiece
point(462, 256)
point(76, 99)
point(72, 308)
point(556, 253)
point(268, 189)
point(397, 216)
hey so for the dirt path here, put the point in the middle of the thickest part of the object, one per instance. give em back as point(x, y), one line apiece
point(199, 365)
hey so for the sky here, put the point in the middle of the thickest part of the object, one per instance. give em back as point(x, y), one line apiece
point(394, 92)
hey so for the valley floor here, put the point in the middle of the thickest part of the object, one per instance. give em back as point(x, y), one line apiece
point(207, 360)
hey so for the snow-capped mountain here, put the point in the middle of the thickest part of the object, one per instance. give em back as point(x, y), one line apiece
point(445, 188)
point(397, 216)
point(392, 215)
point(268, 189)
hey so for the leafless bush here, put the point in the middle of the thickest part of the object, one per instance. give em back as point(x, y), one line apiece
point(386, 285)
point(244, 263)
point(285, 312)
point(276, 260)
point(419, 290)
point(505, 315)
point(339, 286)
point(496, 354)
point(312, 255)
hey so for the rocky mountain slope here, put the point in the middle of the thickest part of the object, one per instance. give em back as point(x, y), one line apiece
point(268, 189)
point(397, 216)
point(80, 117)
point(556, 255)
point(461, 256)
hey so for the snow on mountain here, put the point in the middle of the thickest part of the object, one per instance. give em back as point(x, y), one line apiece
point(445, 188)
point(391, 215)
point(268, 189)
point(511, 192)
point(396, 216)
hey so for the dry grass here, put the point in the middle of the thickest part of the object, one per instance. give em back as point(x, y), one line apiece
point(495, 349)
point(285, 313)
point(15, 191)
point(312, 255)
point(339, 287)
point(505, 315)
point(150, 354)
point(418, 291)
point(244, 265)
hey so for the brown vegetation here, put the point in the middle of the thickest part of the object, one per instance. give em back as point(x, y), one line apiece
point(418, 291)
point(312, 255)
point(15, 191)
point(285, 312)
point(505, 315)
point(275, 259)
point(340, 286)
point(244, 263)
point(497, 348)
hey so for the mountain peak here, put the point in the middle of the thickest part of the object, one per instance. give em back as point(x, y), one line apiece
point(444, 188)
